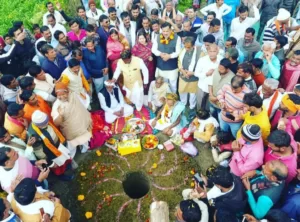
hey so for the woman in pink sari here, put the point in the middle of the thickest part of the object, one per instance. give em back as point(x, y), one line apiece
point(291, 72)
point(76, 33)
point(116, 43)
point(142, 49)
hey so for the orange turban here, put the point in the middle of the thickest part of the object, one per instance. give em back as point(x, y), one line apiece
point(59, 87)
point(172, 96)
point(290, 104)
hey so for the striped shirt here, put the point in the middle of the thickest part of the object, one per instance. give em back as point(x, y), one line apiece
point(233, 101)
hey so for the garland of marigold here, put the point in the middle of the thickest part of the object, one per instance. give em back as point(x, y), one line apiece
point(165, 41)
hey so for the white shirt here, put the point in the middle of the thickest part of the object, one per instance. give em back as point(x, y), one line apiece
point(203, 66)
point(113, 101)
point(215, 192)
point(238, 28)
point(94, 15)
point(267, 102)
point(58, 18)
point(56, 27)
point(8, 94)
point(53, 43)
point(151, 4)
point(220, 11)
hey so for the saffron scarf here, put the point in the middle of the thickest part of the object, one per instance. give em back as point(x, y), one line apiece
point(47, 142)
point(275, 96)
point(15, 121)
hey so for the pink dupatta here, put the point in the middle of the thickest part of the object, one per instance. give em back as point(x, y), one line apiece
point(114, 49)
point(15, 121)
point(290, 76)
point(142, 51)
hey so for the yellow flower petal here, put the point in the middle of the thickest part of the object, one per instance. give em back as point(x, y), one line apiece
point(98, 153)
point(83, 174)
point(192, 184)
point(154, 166)
point(88, 215)
point(192, 172)
point(80, 197)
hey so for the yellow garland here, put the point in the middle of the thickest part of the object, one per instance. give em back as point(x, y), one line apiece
point(166, 111)
point(166, 41)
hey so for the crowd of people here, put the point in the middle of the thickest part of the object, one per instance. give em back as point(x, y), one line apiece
point(213, 79)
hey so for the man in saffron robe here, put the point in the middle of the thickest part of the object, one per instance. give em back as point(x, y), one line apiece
point(291, 72)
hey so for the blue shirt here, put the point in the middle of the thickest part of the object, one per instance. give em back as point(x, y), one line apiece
point(196, 24)
point(272, 69)
point(103, 36)
point(55, 68)
point(95, 62)
point(231, 15)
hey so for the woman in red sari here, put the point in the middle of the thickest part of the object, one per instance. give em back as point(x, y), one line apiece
point(142, 49)
point(116, 43)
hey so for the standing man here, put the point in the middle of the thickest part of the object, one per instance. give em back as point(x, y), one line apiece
point(194, 19)
point(131, 68)
point(167, 48)
point(248, 45)
point(53, 26)
point(96, 63)
point(187, 62)
point(56, 14)
point(243, 22)
point(128, 28)
point(103, 31)
point(219, 8)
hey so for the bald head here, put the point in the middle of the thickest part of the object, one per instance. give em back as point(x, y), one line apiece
point(279, 169)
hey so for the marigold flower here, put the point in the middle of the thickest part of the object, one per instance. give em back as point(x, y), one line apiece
point(80, 197)
point(88, 215)
point(98, 153)
point(83, 174)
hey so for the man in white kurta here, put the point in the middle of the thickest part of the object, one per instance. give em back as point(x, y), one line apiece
point(131, 68)
point(112, 102)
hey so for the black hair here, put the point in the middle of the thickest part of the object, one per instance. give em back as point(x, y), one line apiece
point(6, 79)
point(89, 39)
point(57, 33)
point(250, 30)
point(36, 26)
point(111, 10)
point(45, 48)
point(203, 114)
point(5, 36)
point(154, 11)
point(142, 33)
point(211, 13)
point(246, 67)
point(13, 109)
point(279, 138)
point(113, 31)
point(17, 24)
point(189, 39)
point(48, 3)
point(34, 70)
point(3, 155)
point(276, 215)
point(126, 54)
point(253, 99)
point(26, 82)
point(135, 7)
point(2, 208)
point(155, 21)
point(243, 9)
point(75, 44)
point(237, 82)
point(44, 28)
point(232, 40)
point(282, 40)
point(146, 18)
point(215, 22)
point(295, 98)
point(297, 136)
point(80, 8)
point(224, 137)
point(190, 211)
point(225, 62)
point(40, 44)
point(194, 8)
point(222, 177)
point(257, 63)
point(51, 16)
point(26, 94)
point(102, 17)
point(73, 62)
point(124, 15)
point(209, 38)
point(3, 131)
point(73, 21)
point(166, 24)
point(75, 52)
point(12, 31)
point(90, 28)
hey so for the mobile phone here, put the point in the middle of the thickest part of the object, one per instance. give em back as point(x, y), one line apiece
point(42, 212)
point(229, 116)
point(199, 180)
point(44, 166)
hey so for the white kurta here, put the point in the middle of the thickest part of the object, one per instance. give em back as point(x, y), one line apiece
point(115, 106)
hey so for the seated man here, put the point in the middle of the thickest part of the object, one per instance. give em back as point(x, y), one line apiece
point(27, 200)
point(72, 118)
point(53, 143)
point(8, 89)
point(23, 149)
point(270, 95)
point(248, 151)
point(256, 114)
point(170, 119)
point(13, 166)
point(34, 102)
point(112, 102)
point(44, 83)
point(265, 189)
point(282, 147)
point(191, 210)
point(74, 78)
point(158, 90)
point(14, 122)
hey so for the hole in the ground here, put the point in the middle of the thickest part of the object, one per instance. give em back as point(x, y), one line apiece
point(136, 185)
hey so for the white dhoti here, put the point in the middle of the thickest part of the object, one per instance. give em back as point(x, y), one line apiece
point(161, 126)
point(110, 117)
point(135, 95)
point(85, 101)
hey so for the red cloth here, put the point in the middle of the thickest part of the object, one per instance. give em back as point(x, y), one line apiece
point(259, 79)
point(190, 138)
point(61, 170)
